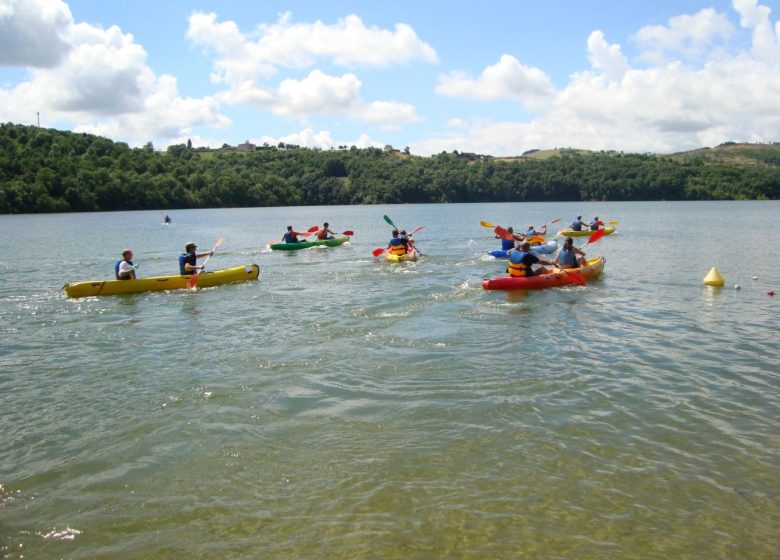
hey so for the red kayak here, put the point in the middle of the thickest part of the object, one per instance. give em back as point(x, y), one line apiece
point(553, 277)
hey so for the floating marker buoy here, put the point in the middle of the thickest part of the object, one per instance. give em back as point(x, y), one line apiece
point(713, 278)
point(754, 277)
point(737, 287)
point(770, 293)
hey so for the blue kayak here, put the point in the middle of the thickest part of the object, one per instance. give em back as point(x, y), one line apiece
point(544, 249)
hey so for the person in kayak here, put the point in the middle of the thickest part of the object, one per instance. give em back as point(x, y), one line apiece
point(578, 224)
point(507, 244)
point(324, 231)
point(188, 260)
point(569, 256)
point(398, 244)
point(124, 269)
point(596, 224)
point(521, 262)
point(535, 236)
point(291, 236)
point(168, 219)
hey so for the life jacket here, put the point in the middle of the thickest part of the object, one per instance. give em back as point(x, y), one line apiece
point(291, 237)
point(322, 234)
point(595, 225)
point(518, 268)
point(567, 258)
point(576, 226)
point(116, 269)
point(398, 246)
point(185, 258)
point(507, 244)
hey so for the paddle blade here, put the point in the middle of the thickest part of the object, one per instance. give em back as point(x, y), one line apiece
point(378, 251)
point(312, 229)
point(416, 230)
point(349, 233)
point(555, 221)
point(613, 222)
point(503, 234)
point(487, 224)
point(389, 221)
point(596, 235)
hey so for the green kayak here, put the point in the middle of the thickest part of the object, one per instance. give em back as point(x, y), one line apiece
point(306, 244)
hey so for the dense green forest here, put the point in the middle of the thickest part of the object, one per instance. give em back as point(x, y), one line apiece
point(46, 170)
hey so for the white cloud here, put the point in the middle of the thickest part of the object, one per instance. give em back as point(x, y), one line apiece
point(317, 139)
point(508, 79)
point(32, 32)
point(285, 44)
point(605, 57)
point(94, 79)
point(676, 104)
point(686, 36)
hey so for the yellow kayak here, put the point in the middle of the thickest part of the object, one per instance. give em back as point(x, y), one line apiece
point(408, 257)
point(205, 280)
point(585, 232)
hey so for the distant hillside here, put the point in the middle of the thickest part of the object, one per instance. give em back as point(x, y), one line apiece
point(46, 170)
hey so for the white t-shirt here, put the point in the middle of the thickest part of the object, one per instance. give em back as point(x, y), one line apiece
point(125, 267)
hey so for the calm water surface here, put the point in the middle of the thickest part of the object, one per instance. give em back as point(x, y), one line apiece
point(341, 407)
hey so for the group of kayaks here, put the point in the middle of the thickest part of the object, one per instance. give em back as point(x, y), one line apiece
point(549, 278)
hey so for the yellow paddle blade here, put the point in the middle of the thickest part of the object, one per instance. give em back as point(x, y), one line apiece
point(613, 222)
point(486, 224)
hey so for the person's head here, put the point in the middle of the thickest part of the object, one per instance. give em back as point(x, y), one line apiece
point(525, 246)
point(530, 228)
point(395, 233)
point(579, 216)
point(190, 247)
point(568, 243)
point(127, 255)
point(596, 219)
point(403, 232)
point(289, 228)
point(325, 225)
point(510, 230)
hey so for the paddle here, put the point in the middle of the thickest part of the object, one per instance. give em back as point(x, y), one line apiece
point(378, 251)
point(613, 222)
point(503, 234)
point(486, 224)
point(348, 233)
point(389, 221)
point(194, 277)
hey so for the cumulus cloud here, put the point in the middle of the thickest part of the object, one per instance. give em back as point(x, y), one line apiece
point(33, 32)
point(242, 62)
point(698, 90)
point(688, 36)
point(322, 139)
point(91, 79)
point(508, 79)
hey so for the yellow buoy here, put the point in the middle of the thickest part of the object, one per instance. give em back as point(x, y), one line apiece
point(713, 278)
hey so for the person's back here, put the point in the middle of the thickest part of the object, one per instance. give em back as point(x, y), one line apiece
point(291, 236)
point(566, 258)
point(398, 244)
point(577, 224)
point(520, 263)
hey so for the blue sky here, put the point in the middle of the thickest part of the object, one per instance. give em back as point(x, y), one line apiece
point(496, 77)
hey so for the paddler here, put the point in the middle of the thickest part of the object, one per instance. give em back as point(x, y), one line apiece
point(507, 244)
point(578, 224)
point(291, 236)
point(398, 244)
point(323, 232)
point(522, 260)
point(188, 260)
point(596, 224)
point(536, 236)
point(124, 269)
point(569, 256)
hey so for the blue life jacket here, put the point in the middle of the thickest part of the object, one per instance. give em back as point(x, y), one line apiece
point(288, 238)
point(185, 258)
point(576, 226)
point(520, 263)
point(507, 244)
point(567, 258)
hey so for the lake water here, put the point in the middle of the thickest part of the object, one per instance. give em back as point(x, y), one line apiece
point(341, 407)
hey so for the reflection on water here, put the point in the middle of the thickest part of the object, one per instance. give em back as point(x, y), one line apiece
point(342, 406)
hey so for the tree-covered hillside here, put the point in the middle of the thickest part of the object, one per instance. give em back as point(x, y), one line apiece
point(46, 170)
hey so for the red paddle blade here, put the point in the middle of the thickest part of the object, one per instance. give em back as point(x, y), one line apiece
point(596, 235)
point(503, 234)
point(349, 232)
point(377, 252)
point(312, 229)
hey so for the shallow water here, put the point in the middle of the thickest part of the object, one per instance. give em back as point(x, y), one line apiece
point(341, 407)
